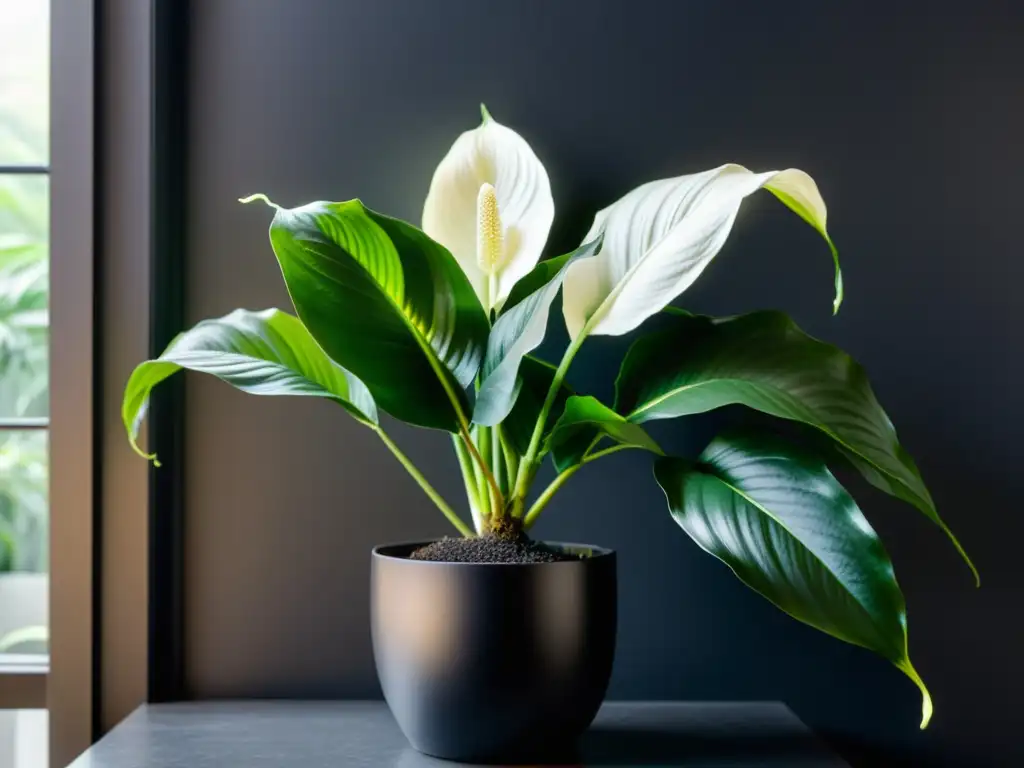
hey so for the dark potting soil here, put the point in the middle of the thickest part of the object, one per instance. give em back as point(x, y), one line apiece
point(490, 549)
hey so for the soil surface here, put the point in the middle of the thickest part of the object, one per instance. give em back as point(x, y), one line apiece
point(490, 549)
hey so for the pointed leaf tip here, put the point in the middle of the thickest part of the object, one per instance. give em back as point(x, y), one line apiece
point(259, 196)
point(840, 291)
point(484, 114)
point(748, 494)
point(147, 456)
point(927, 708)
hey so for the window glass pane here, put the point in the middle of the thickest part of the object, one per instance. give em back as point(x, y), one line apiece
point(24, 81)
point(23, 738)
point(24, 289)
point(24, 543)
point(24, 362)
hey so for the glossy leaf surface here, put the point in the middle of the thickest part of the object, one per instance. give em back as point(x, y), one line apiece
point(262, 353)
point(764, 361)
point(786, 527)
point(387, 303)
point(584, 421)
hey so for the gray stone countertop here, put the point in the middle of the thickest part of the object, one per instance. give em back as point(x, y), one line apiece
point(261, 734)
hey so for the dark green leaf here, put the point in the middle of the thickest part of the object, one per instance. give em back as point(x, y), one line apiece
point(262, 353)
point(387, 303)
point(536, 376)
point(517, 332)
point(764, 361)
point(586, 420)
point(786, 527)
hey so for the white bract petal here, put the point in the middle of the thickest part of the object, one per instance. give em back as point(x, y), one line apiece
point(660, 237)
point(494, 155)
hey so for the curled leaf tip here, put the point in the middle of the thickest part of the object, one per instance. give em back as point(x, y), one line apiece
point(838, 300)
point(142, 453)
point(927, 708)
point(974, 571)
point(484, 114)
point(148, 456)
point(259, 196)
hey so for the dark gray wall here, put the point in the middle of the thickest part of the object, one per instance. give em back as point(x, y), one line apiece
point(911, 122)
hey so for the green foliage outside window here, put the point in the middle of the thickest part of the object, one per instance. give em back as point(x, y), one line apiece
point(24, 285)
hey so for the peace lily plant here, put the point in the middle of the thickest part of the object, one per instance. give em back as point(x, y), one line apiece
point(435, 327)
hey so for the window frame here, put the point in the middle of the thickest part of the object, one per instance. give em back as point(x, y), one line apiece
point(116, 602)
point(23, 681)
point(23, 677)
point(118, 122)
point(70, 692)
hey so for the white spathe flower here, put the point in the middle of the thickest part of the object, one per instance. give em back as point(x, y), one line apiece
point(490, 204)
point(660, 237)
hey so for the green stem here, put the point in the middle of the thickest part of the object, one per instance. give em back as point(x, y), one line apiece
point(608, 452)
point(484, 469)
point(497, 457)
point(511, 459)
point(492, 292)
point(482, 440)
point(482, 491)
point(559, 481)
point(526, 467)
point(545, 497)
point(470, 479)
point(435, 497)
point(453, 398)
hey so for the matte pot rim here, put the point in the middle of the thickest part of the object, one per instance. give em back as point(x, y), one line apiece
point(399, 551)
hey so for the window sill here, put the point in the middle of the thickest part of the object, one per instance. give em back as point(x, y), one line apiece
point(23, 681)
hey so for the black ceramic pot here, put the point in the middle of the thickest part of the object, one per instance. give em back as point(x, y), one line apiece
point(491, 662)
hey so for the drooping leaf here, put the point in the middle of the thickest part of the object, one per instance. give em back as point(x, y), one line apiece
point(786, 527)
point(536, 376)
point(764, 361)
point(661, 236)
point(262, 353)
point(518, 331)
point(583, 422)
point(387, 303)
point(491, 154)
